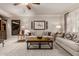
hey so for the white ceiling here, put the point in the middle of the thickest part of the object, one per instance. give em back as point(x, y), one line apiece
point(42, 9)
point(55, 8)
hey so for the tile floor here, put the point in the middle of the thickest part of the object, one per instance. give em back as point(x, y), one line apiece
point(14, 48)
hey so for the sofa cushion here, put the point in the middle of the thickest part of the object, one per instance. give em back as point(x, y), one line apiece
point(70, 36)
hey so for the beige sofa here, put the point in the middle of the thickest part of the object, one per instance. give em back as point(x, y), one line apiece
point(69, 45)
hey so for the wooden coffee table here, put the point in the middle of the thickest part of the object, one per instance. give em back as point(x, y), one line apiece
point(39, 42)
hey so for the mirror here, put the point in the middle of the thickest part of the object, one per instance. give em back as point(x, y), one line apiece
point(15, 27)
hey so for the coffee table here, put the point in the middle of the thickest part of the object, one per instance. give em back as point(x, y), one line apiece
point(40, 42)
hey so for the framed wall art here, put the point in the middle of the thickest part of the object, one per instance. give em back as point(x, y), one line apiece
point(39, 25)
point(15, 27)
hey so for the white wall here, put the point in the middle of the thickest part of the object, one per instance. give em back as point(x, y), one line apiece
point(53, 20)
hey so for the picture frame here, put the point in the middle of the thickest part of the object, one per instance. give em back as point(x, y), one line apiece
point(39, 25)
point(15, 27)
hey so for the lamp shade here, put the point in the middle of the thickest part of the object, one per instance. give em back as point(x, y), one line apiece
point(58, 26)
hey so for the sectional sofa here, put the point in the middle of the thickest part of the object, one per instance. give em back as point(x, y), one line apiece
point(69, 45)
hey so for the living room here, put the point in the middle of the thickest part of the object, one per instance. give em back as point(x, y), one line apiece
point(50, 27)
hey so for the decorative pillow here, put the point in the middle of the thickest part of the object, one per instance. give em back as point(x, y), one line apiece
point(33, 33)
point(68, 36)
point(63, 35)
point(44, 33)
point(76, 40)
point(74, 36)
point(49, 33)
point(30, 34)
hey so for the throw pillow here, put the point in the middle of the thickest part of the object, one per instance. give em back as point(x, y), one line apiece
point(68, 36)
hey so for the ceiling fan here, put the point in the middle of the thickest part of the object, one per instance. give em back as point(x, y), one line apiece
point(28, 5)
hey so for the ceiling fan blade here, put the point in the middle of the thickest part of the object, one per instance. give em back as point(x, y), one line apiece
point(28, 6)
point(16, 4)
point(36, 3)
